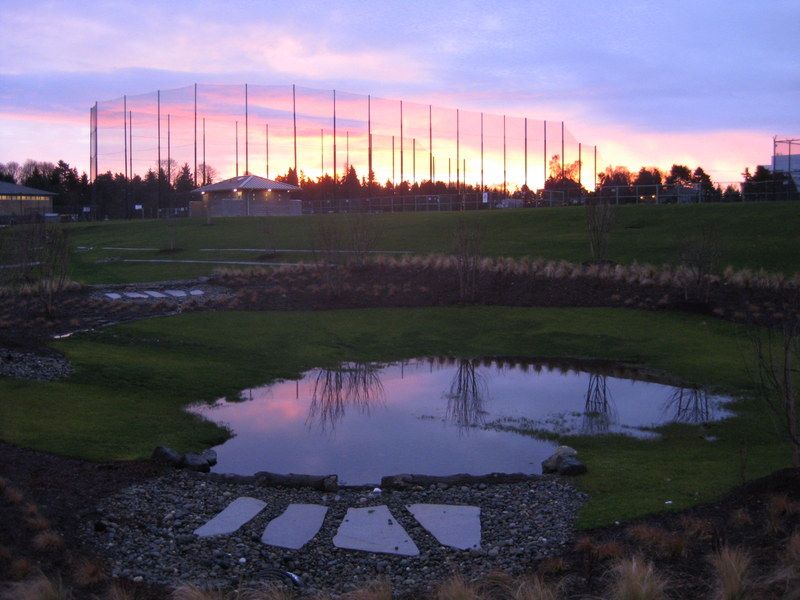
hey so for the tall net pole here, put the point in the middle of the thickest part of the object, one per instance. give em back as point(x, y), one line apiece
point(130, 141)
point(236, 136)
point(430, 141)
point(195, 136)
point(562, 150)
point(266, 147)
point(458, 149)
point(526, 152)
point(158, 98)
point(334, 136)
point(294, 125)
point(369, 145)
point(246, 135)
point(401, 142)
point(545, 152)
point(125, 132)
point(482, 186)
point(504, 157)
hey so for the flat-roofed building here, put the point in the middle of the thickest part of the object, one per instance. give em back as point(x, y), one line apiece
point(246, 196)
point(19, 203)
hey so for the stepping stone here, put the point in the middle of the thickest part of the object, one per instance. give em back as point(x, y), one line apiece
point(295, 526)
point(197, 292)
point(374, 529)
point(455, 526)
point(175, 293)
point(154, 294)
point(236, 514)
point(113, 295)
point(135, 295)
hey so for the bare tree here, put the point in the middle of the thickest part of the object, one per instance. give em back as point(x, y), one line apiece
point(700, 254)
point(600, 217)
point(776, 357)
point(466, 396)
point(467, 242)
point(364, 233)
point(53, 268)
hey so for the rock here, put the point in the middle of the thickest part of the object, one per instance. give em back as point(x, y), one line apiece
point(166, 455)
point(210, 456)
point(571, 466)
point(196, 462)
point(564, 461)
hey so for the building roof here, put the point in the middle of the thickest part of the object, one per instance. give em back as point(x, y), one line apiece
point(12, 189)
point(247, 182)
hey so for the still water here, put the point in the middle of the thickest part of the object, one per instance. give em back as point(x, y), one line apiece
point(438, 417)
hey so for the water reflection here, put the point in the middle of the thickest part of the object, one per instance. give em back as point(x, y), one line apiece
point(598, 411)
point(691, 405)
point(465, 398)
point(366, 420)
point(352, 385)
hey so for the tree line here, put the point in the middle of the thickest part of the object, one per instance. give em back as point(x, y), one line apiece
point(167, 190)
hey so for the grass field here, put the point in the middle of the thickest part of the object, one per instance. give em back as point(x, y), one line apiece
point(751, 235)
point(132, 382)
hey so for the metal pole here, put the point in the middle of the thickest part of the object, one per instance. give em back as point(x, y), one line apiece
point(393, 181)
point(430, 140)
point(347, 150)
point(526, 152)
point(414, 160)
point(458, 149)
point(205, 166)
point(369, 145)
point(294, 123)
point(158, 99)
point(595, 170)
point(237, 148)
point(482, 188)
point(321, 153)
point(334, 135)
point(504, 156)
point(545, 152)
point(246, 135)
point(169, 153)
point(401, 141)
point(562, 150)
point(125, 133)
point(579, 164)
point(130, 141)
point(266, 144)
point(195, 135)
point(449, 171)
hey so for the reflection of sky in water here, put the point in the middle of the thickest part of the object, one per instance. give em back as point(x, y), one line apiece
point(435, 417)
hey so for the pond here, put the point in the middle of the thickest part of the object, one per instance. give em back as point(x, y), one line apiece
point(438, 416)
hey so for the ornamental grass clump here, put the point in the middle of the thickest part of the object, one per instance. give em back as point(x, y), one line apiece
point(731, 566)
point(636, 579)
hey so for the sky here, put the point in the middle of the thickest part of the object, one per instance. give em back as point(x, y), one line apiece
point(650, 83)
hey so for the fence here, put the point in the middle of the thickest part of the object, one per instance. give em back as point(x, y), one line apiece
point(219, 131)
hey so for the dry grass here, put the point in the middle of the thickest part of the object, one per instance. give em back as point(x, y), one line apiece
point(534, 588)
point(731, 567)
point(48, 541)
point(696, 529)
point(116, 592)
point(779, 507)
point(377, 590)
point(19, 569)
point(552, 565)
point(741, 518)
point(657, 540)
point(37, 523)
point(12, 495)
point(636, 579)
point(193, 592)
point(38, 588)
point(456, 588)
point(88, 572)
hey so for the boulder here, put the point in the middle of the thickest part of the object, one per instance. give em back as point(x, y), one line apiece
point(210, 456)
point(167, 456)
point(564, 461)
point(196, 462)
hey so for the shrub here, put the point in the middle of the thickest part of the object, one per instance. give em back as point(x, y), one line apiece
point(730, 566)
point(48, 541)
point(88, 572)
point(636, 579)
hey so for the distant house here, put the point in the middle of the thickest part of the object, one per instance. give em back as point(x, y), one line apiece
point(245, 196)
point(681, 194)
point(20, 203)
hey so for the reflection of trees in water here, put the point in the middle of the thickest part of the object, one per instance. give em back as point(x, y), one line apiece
point(598, 411)
point(689, 405)
point(352, 385)
point(466, 395)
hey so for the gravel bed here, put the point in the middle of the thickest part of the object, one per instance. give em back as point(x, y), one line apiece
point(145, 532)
point(37, 367)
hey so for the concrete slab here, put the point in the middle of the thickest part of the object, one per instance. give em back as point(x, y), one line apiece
point(196, 293)
point(154, 294)
point(175, 293)
point(113, 295)
point(135, 295)
point(232, 517)
point(295, 526)
point(452, 525)
point(374, 529)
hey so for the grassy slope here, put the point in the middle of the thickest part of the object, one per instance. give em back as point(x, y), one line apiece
point(132, 381)
point(752, 235)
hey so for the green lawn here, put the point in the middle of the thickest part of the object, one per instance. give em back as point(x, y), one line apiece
point(132, 382)
point(751, 235)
